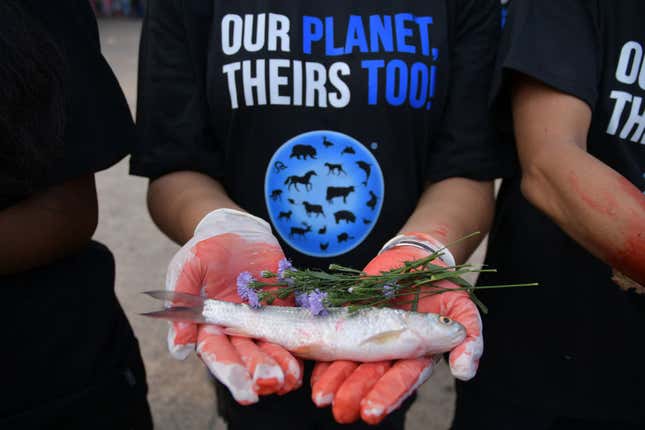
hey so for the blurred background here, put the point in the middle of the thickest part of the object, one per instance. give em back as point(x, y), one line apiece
point(179, 392)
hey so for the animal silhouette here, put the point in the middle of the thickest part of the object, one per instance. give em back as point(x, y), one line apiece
point(367, 168)
point(348, 150)
point(315, 209)
point(276, 195)
point(322, 230)
point(304, 180)
point(335, 169)
point(292, 201)
point(344, 237)
point(279, 166)
point(371, 203)
point(333, 192)
point(327, 143)
point(366, 221)
point(285, 215)
point(297, 231)
point(302, 152)
point(346, 216)
point(324, 246)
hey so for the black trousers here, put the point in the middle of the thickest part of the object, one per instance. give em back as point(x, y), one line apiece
point(72, 361)
point(295, 411)
point(489, 414)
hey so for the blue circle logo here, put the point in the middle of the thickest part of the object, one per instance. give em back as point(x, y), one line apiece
point(324, 193)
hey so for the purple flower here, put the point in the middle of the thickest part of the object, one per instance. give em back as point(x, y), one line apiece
point(315, 303)
point(388, 291)
point(254, 300)
point(285, 265)
point(243, 281)
point(301, 300)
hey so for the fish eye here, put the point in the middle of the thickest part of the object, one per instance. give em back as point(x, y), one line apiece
point(445, 320)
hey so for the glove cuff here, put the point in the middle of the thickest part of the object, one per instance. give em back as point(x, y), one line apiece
point(226, 220)
point(423, 241)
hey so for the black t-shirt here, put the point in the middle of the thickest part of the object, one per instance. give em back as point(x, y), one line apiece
point(324, 117)
point(65, 336)
point(573, 345)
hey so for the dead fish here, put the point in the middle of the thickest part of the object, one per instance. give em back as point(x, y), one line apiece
point(367, 335)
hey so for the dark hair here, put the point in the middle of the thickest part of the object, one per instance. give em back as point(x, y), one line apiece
point(31, 103)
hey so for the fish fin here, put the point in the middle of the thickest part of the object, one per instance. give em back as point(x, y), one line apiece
point(232, 331)
point(384, 337)
point(183, 314)
point(177, 299)
point(309, 350)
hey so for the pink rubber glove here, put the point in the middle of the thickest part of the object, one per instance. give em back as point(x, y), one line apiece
point(226, 243)
point(372, 390)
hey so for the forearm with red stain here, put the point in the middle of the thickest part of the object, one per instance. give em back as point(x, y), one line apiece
point(593, 204)
point(451, 209)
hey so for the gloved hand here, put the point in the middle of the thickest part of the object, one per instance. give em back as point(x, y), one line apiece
point(373, 390)
point(226, 243)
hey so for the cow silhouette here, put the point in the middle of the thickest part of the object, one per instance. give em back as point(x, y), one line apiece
point(322, 230)
point(303, 180)
point(324, 246)
point(301, 152)
point(344, 237)
point(346, 216)
point(327, 143)
point(333, 192)
point(276, 195)
point(335, 169)
point(285, 215)
point(297, 231)
point(315, 209)
point(348, 150)
point(371, 203)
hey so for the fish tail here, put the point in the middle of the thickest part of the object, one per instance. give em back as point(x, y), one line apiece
point(179, 307)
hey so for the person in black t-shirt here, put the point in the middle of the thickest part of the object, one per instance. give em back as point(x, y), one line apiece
point(568, 354)
point(70, 359)
point(342, 126)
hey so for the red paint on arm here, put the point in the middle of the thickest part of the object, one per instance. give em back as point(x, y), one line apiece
point(623, 206)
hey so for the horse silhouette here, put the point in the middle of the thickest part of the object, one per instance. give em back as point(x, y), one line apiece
point(303, 180)
point(335, 168)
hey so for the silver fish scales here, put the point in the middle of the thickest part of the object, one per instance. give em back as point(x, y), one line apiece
point(371, 334)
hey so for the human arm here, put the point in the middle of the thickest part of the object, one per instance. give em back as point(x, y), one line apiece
point(48, 225)
point(179, 200)
point(451, 209)
point(590, 201)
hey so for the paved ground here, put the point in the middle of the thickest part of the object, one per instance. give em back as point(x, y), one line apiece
point(179, 392)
